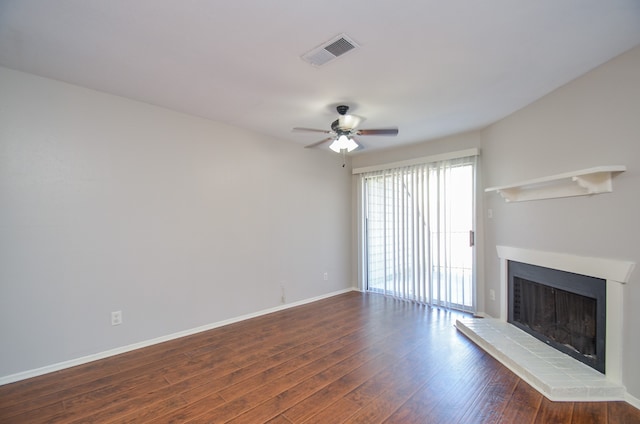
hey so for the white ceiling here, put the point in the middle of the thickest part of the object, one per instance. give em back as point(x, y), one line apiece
point(431, 67)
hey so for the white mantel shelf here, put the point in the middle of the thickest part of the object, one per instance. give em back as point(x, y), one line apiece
point(578, 183)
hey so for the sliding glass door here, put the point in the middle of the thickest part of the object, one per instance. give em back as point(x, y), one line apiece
point(418, 232)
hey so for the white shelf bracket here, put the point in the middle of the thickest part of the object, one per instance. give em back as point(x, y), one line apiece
point(599, 182)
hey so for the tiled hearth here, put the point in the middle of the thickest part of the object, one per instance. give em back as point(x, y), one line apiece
point(556, 375)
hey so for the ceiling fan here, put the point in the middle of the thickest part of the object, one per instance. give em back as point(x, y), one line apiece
point(343, 129)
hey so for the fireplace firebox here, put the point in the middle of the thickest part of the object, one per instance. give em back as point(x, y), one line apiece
point(562, 309)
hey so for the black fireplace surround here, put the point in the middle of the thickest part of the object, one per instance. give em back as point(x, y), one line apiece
point(562, 309)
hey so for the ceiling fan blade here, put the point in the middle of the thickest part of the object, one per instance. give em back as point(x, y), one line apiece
point(299, 129)
point(386, 131)
point(317, 143)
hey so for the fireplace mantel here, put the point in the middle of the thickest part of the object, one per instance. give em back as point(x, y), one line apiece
point(607, 269)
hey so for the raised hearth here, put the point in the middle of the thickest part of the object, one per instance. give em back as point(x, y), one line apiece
point(556, 375)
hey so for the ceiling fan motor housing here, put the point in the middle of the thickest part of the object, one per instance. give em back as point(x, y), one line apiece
point(342, 109)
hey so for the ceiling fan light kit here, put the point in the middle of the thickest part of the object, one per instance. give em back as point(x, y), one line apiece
point(343, 143)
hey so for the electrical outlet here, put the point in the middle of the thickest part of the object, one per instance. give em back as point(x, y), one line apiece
point(116, 318)
point(492, 294)
point(283, 296)
point(325, 276)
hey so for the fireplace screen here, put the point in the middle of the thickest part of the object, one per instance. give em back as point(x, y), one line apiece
point(562, 309)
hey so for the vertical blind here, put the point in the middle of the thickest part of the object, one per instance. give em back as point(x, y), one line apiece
point(417, 221)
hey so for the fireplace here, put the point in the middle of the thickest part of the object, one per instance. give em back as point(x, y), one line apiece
point(565, 310)
point(558, 376)
point(616, 273)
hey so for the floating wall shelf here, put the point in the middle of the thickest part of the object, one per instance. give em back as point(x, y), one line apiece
point(579, 183)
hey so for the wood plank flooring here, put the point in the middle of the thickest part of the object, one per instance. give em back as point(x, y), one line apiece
point(353, 358)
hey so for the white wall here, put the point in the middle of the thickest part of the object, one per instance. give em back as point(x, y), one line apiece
point(109, 204)
point(593, 121)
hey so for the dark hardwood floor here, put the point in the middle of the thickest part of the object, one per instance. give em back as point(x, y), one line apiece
point(353, 358)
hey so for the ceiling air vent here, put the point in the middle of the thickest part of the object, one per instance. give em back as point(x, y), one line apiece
point(330, 50)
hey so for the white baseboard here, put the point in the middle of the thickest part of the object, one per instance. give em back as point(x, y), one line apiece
point(117, 351)
point(633, 401)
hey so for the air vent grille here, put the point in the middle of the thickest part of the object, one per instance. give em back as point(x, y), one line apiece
point(330, 50)
point(339, 47)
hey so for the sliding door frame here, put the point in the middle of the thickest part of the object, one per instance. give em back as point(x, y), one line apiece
point(361, 202)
